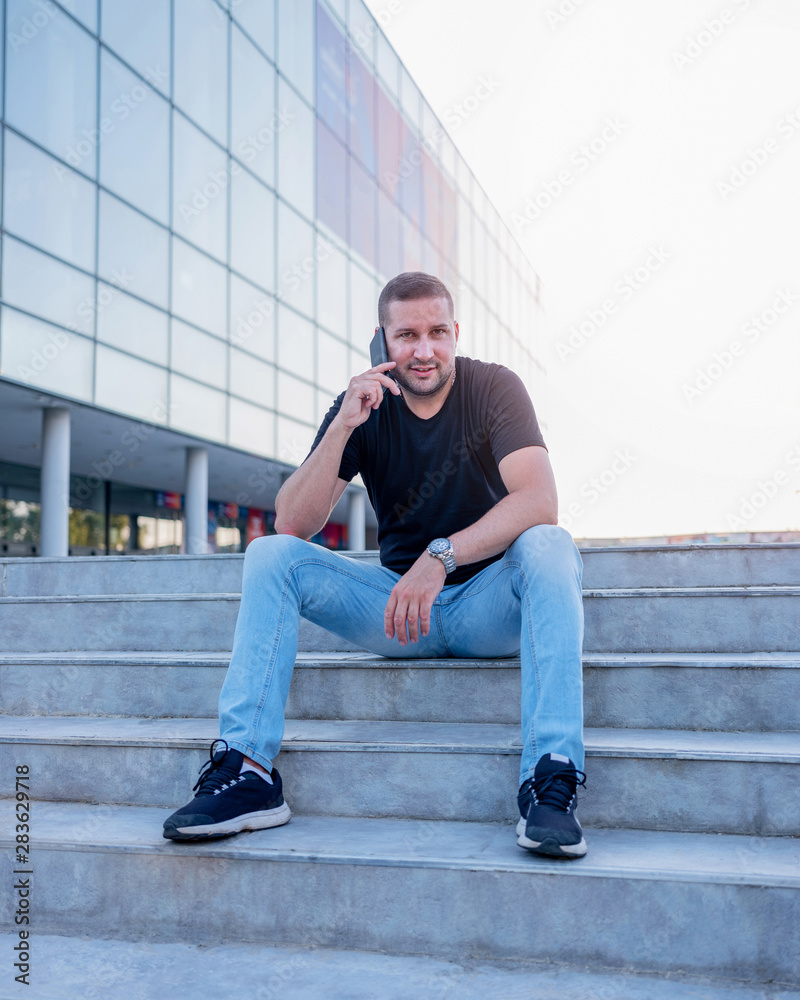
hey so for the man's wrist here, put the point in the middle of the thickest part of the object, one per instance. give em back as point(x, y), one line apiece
point(442, 549)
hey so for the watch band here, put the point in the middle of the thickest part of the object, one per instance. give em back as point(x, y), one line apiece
point(441, 548)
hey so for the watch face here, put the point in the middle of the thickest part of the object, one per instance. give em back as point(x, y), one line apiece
point(439, 545)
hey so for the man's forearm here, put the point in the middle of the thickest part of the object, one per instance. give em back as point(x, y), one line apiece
point(500, 526)
point(304, 502)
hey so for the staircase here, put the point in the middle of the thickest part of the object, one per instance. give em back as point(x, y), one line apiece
point(399, 874)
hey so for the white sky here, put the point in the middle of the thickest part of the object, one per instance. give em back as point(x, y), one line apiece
point(691, 463)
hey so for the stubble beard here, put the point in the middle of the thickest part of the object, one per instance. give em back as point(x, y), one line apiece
point(417, 388)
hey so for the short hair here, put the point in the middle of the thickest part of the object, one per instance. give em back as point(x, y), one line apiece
point(412, 285)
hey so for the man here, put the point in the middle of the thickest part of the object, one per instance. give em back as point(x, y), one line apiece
point(473, 563)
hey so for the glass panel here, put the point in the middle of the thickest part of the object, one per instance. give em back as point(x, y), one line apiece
point(449, 245)
point(45, 356)
point(197, 409)
point(252, 324)
point(201, 65)
point(363, 309)
point(134, 154)
point(363, 196)
point(362, 29)
point(48, 204)
point(339, 7)
point(139, 32)
point(134, 252)
point(200, 181)
point(296, 151)
point(52, 82)
point(410, 97)
point(295, 346)
point(410, 176)
point(412, 246)
point(332, 288)
point(431, 201)
point(332, 357)
point(84, 10)
point(252, 229)
point(331, 181)
point(296, 399)
point(254, 123)
point(41, 285)
point(331, 82)
point(389, 152)
point(133, 325)
point(361, 112)
point(295, 44)
point(294, 440)
point(198, 289)
point(255, 380)
point(296, 262)
point(128, 385)
point(448, 151)
point(199, 355)
point(388, 64)
point(258, 20)
point(252, 429)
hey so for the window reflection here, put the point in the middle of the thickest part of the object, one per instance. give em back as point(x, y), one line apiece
point(200, 188)
point(52, 83)
point(134, 252)
point(47, 203)
point(129, 385)
point(39, 284)
point(201, 64)
point(254, 121)
point(45, 356)
point(252, 229)
point(134, 153)
point(131, 324)
point(139, 32)
point(198, 288)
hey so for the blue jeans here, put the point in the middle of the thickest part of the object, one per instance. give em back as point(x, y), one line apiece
point(527, 603)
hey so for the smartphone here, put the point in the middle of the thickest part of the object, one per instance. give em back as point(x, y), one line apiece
point(378, 353)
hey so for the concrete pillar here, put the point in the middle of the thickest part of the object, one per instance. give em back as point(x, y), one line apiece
point(55, 482)
point(357, 521)
point(196, 492)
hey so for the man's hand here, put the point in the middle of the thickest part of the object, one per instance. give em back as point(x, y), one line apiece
point(412, 598)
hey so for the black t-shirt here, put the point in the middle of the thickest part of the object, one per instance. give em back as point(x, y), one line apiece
point(429, 478)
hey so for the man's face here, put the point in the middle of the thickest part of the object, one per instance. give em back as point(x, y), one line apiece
point(421, 337)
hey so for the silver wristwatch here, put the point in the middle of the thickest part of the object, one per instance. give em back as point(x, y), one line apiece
point(440, 548)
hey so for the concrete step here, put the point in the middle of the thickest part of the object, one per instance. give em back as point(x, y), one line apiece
point(748, 692)
point(612, 566)
point(69, 967)
point(669, 619)
point(746, 783)
point(696, 904)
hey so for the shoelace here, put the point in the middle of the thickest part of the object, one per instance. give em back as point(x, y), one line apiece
point(557, 788)
point(214, 775)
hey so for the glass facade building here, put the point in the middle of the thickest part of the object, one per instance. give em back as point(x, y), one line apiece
point(201, 201)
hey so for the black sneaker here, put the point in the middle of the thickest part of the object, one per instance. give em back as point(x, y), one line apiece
point(228, 802)
point(547, 805)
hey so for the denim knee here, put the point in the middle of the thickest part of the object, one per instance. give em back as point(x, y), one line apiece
point(546, 544)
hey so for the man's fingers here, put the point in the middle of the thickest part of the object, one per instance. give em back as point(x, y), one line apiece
point(388, 617)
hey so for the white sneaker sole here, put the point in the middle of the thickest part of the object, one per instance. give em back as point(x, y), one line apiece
point(247, 821)
point(550, 848)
